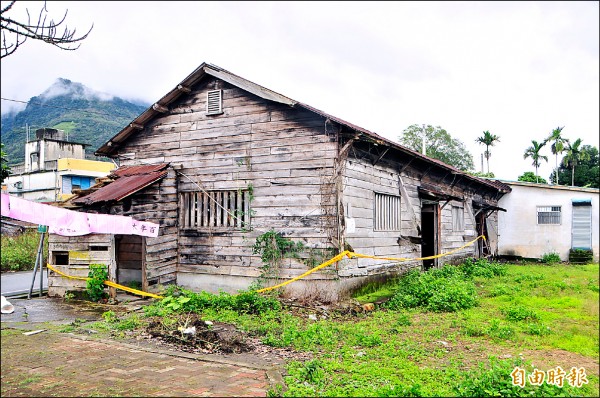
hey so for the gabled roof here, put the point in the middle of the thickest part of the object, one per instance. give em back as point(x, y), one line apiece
point(121, 183)
point(184, 87)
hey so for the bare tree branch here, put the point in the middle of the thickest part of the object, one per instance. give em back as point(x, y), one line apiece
point(15, 33)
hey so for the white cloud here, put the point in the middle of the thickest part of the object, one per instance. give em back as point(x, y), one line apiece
point(517, 69)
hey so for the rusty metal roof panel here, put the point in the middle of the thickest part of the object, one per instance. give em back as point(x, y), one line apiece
point(139, 170)
point(128, 180)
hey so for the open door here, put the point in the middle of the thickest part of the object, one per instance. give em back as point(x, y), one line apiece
point(131, 267)
point(429, 233)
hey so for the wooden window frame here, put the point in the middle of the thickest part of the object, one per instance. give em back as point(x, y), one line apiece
point(387, 211)
point(215, 209)
point(458, 218)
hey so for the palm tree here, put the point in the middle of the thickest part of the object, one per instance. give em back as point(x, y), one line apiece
point(558, 145)
point(574, 154)
point(488, 140)
point(533, 152)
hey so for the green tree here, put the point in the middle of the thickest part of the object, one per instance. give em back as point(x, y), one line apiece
point(439, 145)
point(528, 176)
point(15, 32)
point(575, 154)
point(488, 140)
point(533, 152)
point(587, 173)
point(5, 169)
point(558, 144)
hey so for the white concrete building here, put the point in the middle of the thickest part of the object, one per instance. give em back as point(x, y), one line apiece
point(542, 219)
point(53, 168)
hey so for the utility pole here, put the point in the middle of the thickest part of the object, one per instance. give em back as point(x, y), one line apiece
point(482, 163)
point(423, 150)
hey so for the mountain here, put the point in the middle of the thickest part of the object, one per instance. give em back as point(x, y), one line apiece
point(87, 116)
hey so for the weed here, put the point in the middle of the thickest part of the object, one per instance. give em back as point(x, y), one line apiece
point(519, 313)
point(403, 320)
point(537, 329)
point(495, 381)
point(499, 331)
point(312, 371)
point(438, 290)
point(551, 258)
point(482, 268)
point(273, 247)
point(178, 299)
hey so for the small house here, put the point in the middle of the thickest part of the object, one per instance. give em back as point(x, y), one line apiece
point(543, 219)
point(223, 164)
point(54, 168)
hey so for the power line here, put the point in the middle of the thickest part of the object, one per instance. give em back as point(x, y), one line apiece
point(60, 107)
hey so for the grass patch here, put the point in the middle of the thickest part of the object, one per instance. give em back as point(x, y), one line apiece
point(427, 349)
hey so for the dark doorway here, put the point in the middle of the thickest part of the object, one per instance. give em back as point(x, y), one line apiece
point(429, 233)
point(130, 260)
point(481, 226)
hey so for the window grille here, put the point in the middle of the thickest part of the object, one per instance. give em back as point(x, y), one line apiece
point(214, 102)
point(549, 215)
point(225, 209)
point(458, 218)
point(387, 212)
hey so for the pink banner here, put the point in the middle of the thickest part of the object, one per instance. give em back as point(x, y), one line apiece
point(73, 223)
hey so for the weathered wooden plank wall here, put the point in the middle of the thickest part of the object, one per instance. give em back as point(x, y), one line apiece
point(75, 253)
point(280, 154)
point(362, 180)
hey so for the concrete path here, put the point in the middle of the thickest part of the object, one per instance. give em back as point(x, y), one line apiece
point(59, 364)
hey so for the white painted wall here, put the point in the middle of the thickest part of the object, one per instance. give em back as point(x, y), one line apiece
point(519, 233)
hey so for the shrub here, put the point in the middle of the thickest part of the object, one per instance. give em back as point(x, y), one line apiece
point(178, 299)
point(95, 284)
point(581, 256)
point(551, 258)
point(19, 252)
point(438, 290)
point(482, 267)
point(453, 295)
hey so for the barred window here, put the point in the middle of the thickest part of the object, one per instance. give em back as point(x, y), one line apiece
point(225, 209)
point(548, 215)
point(458, 218)
point(386, 212)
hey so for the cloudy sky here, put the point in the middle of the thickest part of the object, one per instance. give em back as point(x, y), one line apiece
point(517, 69)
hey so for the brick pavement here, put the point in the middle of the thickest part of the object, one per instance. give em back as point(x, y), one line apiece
point(54, 364)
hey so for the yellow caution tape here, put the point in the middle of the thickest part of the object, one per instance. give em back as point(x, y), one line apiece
point(108, 283)
point(318, 267)
point(335, 259)
point(352, 254)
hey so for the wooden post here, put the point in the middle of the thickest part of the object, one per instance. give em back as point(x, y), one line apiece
point(112, 268)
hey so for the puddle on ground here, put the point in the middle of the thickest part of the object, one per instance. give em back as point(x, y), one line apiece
point(50, 309)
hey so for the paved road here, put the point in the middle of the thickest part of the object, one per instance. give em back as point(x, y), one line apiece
point(18, 283)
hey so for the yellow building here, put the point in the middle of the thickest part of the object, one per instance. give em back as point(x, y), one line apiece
point(53, 168)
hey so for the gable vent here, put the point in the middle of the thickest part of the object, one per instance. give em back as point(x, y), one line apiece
point(214, 102)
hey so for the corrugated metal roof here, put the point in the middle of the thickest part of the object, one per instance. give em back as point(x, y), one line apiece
point(127, 181)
